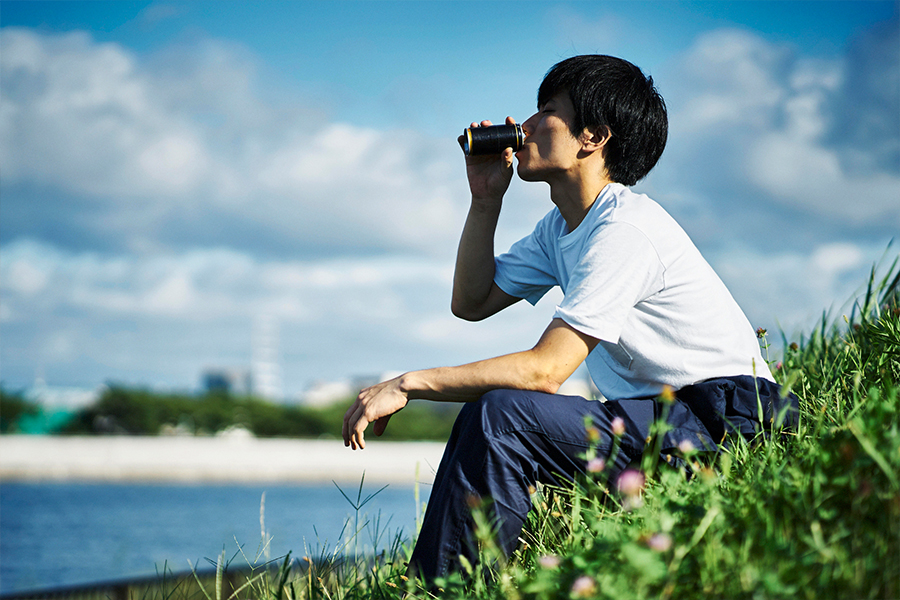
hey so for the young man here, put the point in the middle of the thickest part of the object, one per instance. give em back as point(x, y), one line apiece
point(641, 306)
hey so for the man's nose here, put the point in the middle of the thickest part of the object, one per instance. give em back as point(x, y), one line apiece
point(528, 125)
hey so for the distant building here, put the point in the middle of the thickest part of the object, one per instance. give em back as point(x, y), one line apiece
point(323, 393)
point(59, 397)
point(236, 382)
point(265, 362)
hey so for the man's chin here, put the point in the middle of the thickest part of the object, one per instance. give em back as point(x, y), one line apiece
point(526, 174)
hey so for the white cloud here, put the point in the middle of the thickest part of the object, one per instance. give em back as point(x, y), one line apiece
point(751, 117)
point(805, 174)
point(733, 79)
point(80, 115)
point(207, 284)
point(791, 290)
point(837, 258)
point(158, 145)
point(25, 278)
point(175, 163)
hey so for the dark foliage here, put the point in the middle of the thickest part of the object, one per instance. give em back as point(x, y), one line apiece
point(123, 410)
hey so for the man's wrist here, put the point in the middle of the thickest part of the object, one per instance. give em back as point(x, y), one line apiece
point(419, 385)
point(407, 383)
point(487, 205)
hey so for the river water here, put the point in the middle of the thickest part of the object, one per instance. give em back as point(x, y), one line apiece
point(61, 534)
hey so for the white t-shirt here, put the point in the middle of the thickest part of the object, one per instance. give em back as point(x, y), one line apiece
point(632, 278)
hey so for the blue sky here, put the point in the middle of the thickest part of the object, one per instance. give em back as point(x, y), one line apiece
point(182, 180)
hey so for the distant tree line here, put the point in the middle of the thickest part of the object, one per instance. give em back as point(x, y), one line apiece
point(13, 407)
point(134, 411)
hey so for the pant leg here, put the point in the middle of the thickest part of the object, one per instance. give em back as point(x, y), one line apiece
point(500, 447)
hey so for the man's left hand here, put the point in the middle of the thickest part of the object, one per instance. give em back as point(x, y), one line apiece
point(374, 404)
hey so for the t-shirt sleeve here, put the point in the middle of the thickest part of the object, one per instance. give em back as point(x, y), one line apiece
point(619, 269)
point(525, 271)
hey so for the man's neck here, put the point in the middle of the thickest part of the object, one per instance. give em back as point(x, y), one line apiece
point(574, 199)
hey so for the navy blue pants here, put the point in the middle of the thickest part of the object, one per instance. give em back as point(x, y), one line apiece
point(506, 442)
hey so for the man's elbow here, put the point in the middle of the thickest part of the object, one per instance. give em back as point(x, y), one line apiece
point(548, 387)
point(466, 312)
point(544, 381)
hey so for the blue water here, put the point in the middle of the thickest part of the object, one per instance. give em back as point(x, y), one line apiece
point(60, 534)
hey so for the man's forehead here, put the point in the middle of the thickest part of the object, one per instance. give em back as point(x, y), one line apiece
point(559, 98)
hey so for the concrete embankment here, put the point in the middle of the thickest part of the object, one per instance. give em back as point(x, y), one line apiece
point(213, 459)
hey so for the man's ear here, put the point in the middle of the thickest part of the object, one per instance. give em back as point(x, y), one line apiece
point(594, 139)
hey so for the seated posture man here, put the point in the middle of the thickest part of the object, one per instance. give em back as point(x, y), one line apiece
point(641, 306)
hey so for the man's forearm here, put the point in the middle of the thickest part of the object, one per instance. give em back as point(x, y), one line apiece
point(467, 383)
point(543, 369)
point(474, 274)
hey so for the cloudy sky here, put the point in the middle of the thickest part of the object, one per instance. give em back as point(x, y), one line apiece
point(188, 184)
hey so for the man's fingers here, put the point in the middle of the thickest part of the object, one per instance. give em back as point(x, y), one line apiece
point(358, 424)
point(348, 419)
point(345, 432)
point(358, 441)
point(354, 424)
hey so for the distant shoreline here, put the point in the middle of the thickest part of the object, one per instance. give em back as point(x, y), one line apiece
point(41, 458)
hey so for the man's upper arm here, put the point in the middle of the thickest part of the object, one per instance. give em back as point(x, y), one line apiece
point(496, 301)
point(527, 270)
point(561, 350)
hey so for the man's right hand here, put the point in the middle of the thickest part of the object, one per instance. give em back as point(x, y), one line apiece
point(489, 175)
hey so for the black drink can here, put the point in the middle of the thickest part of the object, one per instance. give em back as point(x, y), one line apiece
point(493, 139)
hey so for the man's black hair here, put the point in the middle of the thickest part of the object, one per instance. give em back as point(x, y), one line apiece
point(609, 92)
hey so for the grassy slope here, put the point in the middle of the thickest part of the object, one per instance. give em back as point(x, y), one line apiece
point(814, 514)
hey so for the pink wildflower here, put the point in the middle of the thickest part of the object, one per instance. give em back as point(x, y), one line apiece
point(686, 447)
point(596, 465)
point(549, 561)
point(618, 426)
point(630, 482)
point(660, 542)
point(583, 587)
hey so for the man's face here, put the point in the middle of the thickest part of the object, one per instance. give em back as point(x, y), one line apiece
point(550, 149)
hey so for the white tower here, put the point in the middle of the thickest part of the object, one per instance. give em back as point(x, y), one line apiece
point(265, 363)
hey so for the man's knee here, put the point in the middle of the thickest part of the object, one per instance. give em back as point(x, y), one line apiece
point(478, 417)
point(500, 400)
point(502, 410)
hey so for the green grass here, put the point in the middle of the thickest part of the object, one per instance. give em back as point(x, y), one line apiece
point(813, 514)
